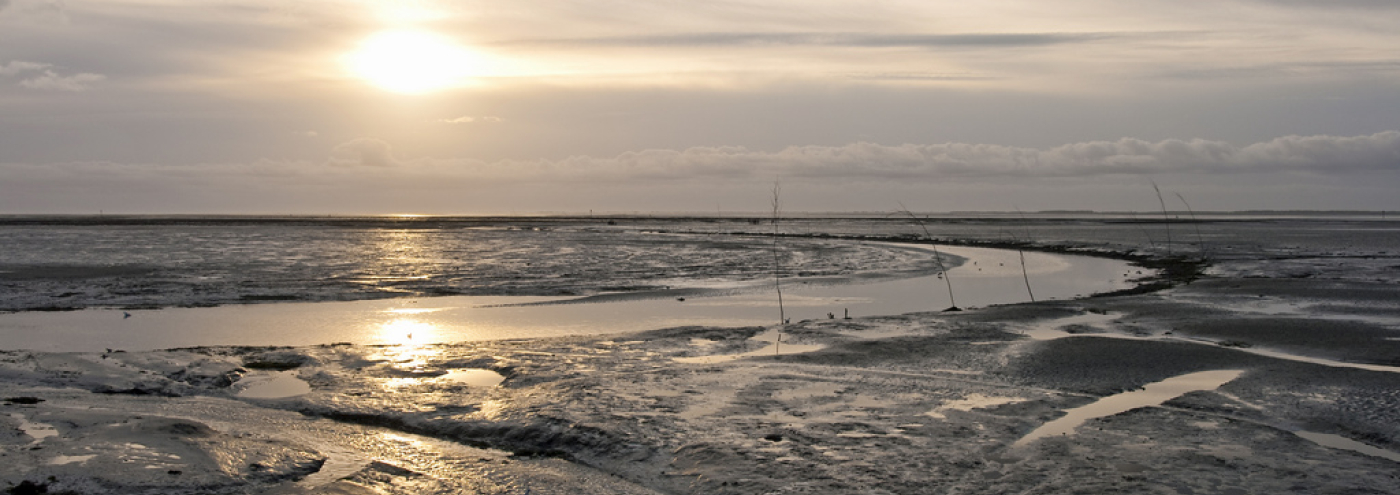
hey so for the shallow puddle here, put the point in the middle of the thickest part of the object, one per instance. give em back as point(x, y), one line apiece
point(1315, 360)
point(1344, 443)
point(772, 348)
point(1054, 328)
point(971, 402)
point(768, 350)
point(273, 386)
point(37, 431)
point(474, 377)
point(1151, 395)
point(70, 459)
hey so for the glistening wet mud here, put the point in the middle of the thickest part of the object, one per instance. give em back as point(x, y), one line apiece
point(855, 416)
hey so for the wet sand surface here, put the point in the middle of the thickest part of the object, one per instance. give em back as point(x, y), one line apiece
point(918, 403)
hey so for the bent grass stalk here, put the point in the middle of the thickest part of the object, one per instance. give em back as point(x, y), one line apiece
point(1200, 242)
point(1145, 233)
point(1022, 252)
point(1167, 221)
point(937, 257)
point(777, 269)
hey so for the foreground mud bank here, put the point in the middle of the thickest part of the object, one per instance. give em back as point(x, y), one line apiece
point(919, 403)
point(902, 404)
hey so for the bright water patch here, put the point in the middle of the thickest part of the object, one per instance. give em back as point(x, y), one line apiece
point(70, 459)
point(1315, 360)
point(986, 278)
point(1151, 395)
point(1344, 443)
point(1054, 329)
point(774, 347)
point(279, 385)
point(474, 377)
point(37, 431)
point(971, 402)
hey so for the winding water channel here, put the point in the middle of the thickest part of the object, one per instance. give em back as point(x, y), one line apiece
point(986, 277)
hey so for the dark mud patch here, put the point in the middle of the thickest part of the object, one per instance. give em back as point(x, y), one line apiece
point(698, 332)
point(972, 346)
point(1149, 450)
point(545, 438)
point(1338, 290)
point(277, 361)
point(1353, 341)
point(27, 273)
point(1104, 366)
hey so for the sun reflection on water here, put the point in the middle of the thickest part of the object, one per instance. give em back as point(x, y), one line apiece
point(412, 311)
point(408, 332)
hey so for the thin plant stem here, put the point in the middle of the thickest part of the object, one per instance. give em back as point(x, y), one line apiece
point(1200, 242)
point(1145, 233)
point(1166, 219)
point(1022, 252)
point(937, 257)
point(777, 267)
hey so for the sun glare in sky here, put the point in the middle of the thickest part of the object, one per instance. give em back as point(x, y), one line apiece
point(413, 62)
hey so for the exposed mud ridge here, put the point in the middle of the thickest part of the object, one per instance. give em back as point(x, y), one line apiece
point(548, 437)
point(1171, 271)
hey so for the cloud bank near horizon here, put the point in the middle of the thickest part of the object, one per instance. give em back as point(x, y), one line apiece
point(875, 162)
point(368, 175)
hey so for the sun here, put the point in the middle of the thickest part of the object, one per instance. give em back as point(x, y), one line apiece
point(412, 62)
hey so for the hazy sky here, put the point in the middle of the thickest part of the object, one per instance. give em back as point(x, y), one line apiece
point(460, 107)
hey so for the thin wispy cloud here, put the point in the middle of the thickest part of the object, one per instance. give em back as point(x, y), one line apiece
point(50, 80)
point(363, 152)
point(1333, 4)
point(468, 120)
point(43, 10)
point(21, 66)
point(860, 40)
point(916, 76)
point(34, 75)
point(1327, 68)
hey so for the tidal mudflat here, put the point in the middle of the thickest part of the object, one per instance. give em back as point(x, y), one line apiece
point(1293, 322)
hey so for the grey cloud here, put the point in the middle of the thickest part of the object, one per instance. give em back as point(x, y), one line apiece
point(1321, 68)
point(917, 76)
point(47, 79)
point(20, 66)
point(366, 152)
point(44, 10)
point(50, 80)
point(467, 119)
point(933, 162)
point(1333, 4)
point(863, 173)
point(859, 40)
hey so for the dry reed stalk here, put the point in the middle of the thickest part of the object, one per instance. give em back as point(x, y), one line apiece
point(937, 257)
point(1200, 242)
point(1022, 252)
point(1166, 219)
point(777, 268)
